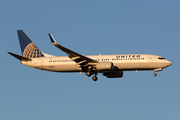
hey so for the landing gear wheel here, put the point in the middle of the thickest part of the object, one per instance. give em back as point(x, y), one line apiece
point(94, 78)
point(155, 74)
point(88, 74)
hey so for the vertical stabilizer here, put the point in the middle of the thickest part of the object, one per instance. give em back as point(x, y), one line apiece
point(28, 48)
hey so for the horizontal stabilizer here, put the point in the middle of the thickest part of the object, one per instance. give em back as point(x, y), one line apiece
point(21, 58)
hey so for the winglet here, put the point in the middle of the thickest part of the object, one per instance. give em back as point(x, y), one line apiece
point(51, 38)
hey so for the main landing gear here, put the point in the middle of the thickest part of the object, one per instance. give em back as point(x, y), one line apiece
point(88, 74)
point(94, 77)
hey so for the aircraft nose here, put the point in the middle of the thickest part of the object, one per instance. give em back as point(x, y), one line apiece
point(168, 63)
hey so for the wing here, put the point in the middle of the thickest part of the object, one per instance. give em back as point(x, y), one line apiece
point(78, 58)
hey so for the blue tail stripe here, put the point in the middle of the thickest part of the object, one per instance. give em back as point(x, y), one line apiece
point(24, 40)
point(27, 46)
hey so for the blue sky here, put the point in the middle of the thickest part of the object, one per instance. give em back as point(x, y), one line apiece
point(90, 28)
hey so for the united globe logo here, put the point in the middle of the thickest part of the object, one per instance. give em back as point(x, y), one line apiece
point(31, 51)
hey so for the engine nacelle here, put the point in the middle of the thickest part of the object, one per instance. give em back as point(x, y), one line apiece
point(104, 66)
point(115, 74)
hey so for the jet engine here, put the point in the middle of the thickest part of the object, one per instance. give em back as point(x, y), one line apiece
point(115, 74)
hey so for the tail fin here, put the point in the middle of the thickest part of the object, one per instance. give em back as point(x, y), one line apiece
point(28, 48)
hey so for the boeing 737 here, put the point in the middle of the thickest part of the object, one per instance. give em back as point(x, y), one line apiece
point(111, 66)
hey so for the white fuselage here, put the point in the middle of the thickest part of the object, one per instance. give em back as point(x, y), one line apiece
point(123, 62)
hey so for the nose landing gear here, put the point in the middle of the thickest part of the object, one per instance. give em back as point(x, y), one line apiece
point(155, 74)
point(156, 70)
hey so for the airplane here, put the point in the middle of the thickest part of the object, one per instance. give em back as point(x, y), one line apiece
point(111, 66)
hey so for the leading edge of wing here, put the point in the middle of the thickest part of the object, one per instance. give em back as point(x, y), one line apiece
point(73, 55)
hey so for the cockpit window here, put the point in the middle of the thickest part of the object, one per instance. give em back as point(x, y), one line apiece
point(161, 58)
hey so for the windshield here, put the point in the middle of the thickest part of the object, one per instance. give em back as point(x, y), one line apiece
point(161, 58)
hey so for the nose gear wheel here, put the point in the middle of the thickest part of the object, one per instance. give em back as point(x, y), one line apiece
point(155, 74)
